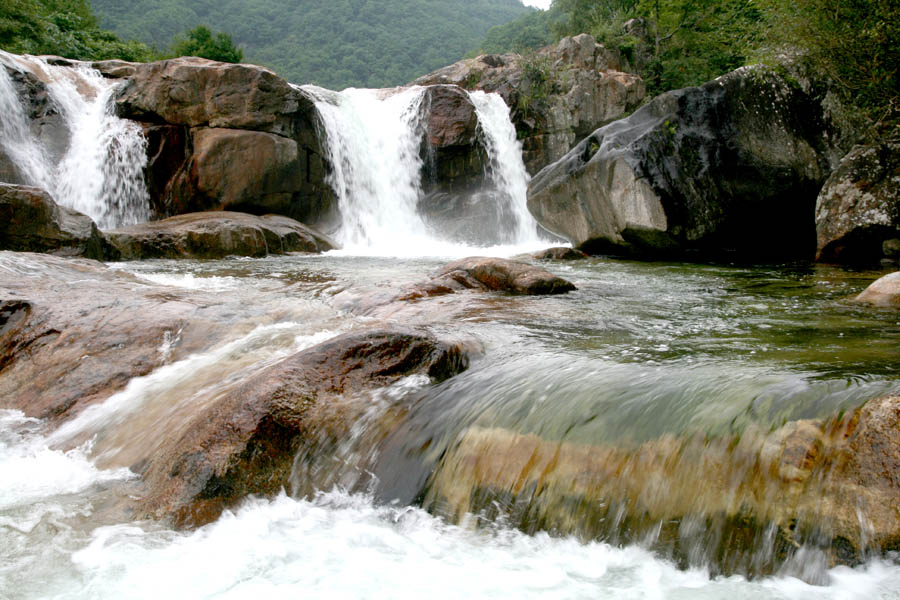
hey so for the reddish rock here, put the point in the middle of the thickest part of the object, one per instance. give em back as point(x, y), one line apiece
point(883, 292)
point(500, 274)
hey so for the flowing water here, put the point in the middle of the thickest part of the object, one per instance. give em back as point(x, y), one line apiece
point(639, 351)
point(641, 356)
point(84, 156)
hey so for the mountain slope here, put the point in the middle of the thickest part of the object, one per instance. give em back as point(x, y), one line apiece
point(335, 44)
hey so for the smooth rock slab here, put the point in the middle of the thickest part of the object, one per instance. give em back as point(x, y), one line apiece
point(883, 292)
point(30, 221)
point(215, 235)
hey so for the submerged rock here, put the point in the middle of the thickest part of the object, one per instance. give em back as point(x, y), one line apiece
point(245, 441)
point(741, 504)
point(883, 292)
point(30, 221)
point(559, 253)
point(731, 168)
point(858, 209)
point(216, 235)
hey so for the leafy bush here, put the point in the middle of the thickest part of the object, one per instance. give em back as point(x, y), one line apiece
point(201, 42)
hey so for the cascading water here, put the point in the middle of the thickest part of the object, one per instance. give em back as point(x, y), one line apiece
point(373, 145)
point(374, 142)
point(508, 172)
point(100, 171)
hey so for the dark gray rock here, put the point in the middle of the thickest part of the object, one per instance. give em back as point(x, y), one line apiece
point(858, 209)
point(728, 169)
point(30, 221)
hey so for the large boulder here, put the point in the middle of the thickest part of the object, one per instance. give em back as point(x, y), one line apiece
point(227, 136)
point(557, 96)
point(744, 503)
point(883, 292)
point(728, 169)
point(244, 441)
point(858, 209)
point(500, 274)
point(216, 235)
point(30, 221)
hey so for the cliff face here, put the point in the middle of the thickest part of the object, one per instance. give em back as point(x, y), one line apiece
point(556, 96)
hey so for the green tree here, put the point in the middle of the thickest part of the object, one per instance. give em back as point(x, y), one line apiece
point(63, 27)
point(201, 42)
point(855, 43)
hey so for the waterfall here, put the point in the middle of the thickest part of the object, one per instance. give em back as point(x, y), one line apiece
point(508, 173)
point(100, 168)
point(374, 140)
point(373, 146)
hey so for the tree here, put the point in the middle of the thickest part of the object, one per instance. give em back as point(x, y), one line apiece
point(852, 42)
point(201, 42)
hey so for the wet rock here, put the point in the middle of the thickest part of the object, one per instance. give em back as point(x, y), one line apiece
point(73, 331)
point(498, 274)
point(30, 221)
point(229, 136)
point(743, 504)
point(858, 209)
point(216, 235)
point(698, 171)
point(559, 253)
point(245, 441)
point(556, 97)
point(883, 292)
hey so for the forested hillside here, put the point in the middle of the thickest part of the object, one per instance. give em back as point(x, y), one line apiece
point(336, 44)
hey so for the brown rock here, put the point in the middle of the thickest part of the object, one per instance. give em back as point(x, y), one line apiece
point(198, 92)
point(883, 292)
point(500, 274)
point(235, 170)
point(30, 221)
point(216, 235)
point(73, 331)
point(245, 441)
point(451, 118)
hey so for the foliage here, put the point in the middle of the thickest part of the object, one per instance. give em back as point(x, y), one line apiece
point(853, 42)
point(64, 28)
point(532, 30)
point(538, 81)
point(335, 44)
point(201, 42)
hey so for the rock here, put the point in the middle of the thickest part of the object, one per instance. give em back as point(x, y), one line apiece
point(764, 495)
point(858, 209)
point(73, 331)
point(216, 235)
point(883, 292)
point(500, 274)
point(202, 93)
point(556, 97)
point(228, 136)
point(115, 68)
point(559, 253)
point(250, 171)
point(30, 221)
point(728, 169)
point(245, 441)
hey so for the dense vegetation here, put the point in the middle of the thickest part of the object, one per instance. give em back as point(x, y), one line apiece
point(62, 27)
point(339, 43)
point(677, 43)
point(201, 41)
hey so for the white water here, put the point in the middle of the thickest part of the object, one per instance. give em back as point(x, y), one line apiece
point(374, 139)
point(507, 167)
point(101, 171)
